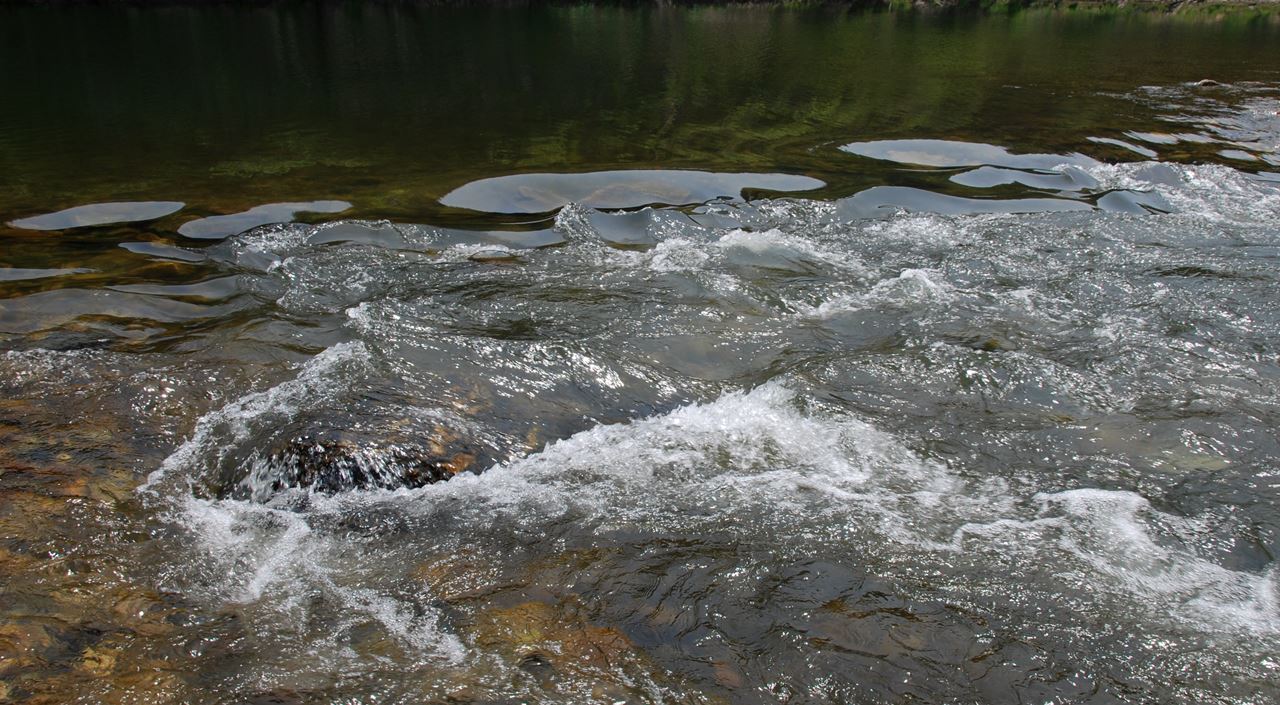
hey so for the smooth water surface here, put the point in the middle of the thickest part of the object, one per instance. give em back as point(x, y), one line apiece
point(377, 353)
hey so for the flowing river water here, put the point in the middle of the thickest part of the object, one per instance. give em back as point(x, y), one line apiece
point(377, 353)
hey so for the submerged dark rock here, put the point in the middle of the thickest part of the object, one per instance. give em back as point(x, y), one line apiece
point(337, 464)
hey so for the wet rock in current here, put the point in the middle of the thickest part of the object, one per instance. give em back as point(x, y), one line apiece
point(330, 465)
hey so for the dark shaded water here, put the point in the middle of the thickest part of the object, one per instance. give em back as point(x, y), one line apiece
point(693, 356)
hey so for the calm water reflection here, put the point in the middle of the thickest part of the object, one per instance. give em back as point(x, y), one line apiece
point(390, 107)
point(538, 193)
point(98, 214)
point(219, 226)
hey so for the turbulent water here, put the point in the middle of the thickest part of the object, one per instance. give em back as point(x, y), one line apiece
point(999, 428)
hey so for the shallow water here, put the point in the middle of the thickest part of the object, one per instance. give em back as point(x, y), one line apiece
point(689, 356)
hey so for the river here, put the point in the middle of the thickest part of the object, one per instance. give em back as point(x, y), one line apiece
point(357, 353)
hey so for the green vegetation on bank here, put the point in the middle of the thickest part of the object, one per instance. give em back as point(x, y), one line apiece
point(1199, 7)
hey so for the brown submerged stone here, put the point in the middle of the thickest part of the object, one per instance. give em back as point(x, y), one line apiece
point(74, 626)
point(532, 617)
point(549, 640)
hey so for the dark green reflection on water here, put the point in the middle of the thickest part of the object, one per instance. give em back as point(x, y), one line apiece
point(390, 106)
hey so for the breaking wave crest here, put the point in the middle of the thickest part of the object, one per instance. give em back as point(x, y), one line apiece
point(766, 464)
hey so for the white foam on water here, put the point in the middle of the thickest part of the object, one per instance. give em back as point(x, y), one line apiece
point(363, 316)
point(777, 243)
point(689, 254)
point(271, 558)
point(1148, 552)
point(751, 454)
point(248, 534)
point(674, 255)
point(255, 554)
point(218, 431)
point(1114, 540)
point(917, 283)
point(744, 449)
point(924, 228)
point(422, 632)
point(1215, 193)
point(758, 463)
point(911, 287)
point(746, 453)
point(263, 249)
